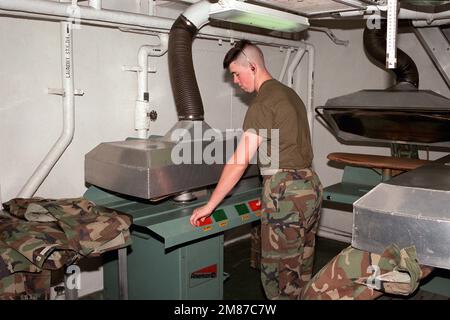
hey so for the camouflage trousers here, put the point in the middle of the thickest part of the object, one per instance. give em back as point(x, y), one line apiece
point(291, 202)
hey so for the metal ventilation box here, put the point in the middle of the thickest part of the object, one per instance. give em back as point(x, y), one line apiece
point(411, 209)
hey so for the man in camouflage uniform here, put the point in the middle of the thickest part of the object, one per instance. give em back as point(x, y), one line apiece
point(289, 221)
point(39, 235)
point(276, 124)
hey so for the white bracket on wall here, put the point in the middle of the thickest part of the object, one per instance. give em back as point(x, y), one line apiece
point(331, 35)
point(137, 69)
point(60, 92)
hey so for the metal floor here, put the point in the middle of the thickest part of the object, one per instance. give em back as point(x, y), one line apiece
point(244, 282)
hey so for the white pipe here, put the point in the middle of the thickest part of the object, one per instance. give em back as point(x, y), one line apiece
point(60, 12)
point(237, 239)
point(324, 232)
point(417, 15)
point(198, 13)
point(285, 63)
point(310, 100)
point(142, 122)
point(64, 140)
point(151, 8)
point(310, 91)
point(331, 234)
point(374, 12)
point(96, 4)
point(63, 10)
point(425, 23)
point(298, 56)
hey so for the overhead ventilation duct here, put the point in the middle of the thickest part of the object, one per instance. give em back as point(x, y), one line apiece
point(375, 44)
point(401, 113)
point(181, 69)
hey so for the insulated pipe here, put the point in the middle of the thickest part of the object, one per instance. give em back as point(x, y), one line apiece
point(142, 122)
point(96, 4)
point(198, 13)
point(310, 99)
point(1, 203)
point(310, 87)
point(151, 7)
point(61, 11)
point(375, 44)
point(65, 138)
point(285, 63)
point(418, 15)
point(374, 12)
point(425, 23)
point(143, 54)
point(87, 14)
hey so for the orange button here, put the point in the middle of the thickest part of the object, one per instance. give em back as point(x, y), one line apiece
point(255, 205)
point(205, 222)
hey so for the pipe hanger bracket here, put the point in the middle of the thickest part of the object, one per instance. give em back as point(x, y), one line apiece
point(60, 92)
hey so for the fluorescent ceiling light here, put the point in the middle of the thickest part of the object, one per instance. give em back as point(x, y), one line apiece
point(249, 14)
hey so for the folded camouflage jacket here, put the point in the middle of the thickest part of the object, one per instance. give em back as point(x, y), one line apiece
point(360, 275)
point(38, 234)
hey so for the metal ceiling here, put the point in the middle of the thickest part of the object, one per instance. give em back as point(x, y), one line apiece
point(312, 7)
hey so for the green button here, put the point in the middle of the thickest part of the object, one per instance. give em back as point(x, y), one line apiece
point(219, 215)
point(242, 209)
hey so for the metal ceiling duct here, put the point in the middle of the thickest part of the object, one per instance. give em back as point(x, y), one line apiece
point(181, 69)
point(147, 168)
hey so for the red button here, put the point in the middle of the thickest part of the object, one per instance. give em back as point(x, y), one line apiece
point(205, 222)
point(255, 205)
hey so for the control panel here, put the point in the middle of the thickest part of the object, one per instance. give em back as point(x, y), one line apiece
point(170, 220)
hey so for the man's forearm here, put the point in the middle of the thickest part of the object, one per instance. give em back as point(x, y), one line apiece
point(231, 174)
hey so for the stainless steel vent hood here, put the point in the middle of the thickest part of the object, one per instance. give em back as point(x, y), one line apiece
point(149, 168)
point(401, 114)
point(409, 116)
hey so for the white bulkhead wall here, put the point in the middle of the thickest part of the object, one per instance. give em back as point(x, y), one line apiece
point(31, 119)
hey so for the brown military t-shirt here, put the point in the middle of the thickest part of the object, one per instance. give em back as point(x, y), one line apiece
point(277, 106)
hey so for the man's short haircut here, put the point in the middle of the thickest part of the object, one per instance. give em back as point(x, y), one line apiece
point(234, 52)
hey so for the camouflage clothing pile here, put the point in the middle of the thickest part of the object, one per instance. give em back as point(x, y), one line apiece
point(360, 275)
point(39, 235)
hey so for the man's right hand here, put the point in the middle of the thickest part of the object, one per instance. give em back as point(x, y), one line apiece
point(199, 214)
